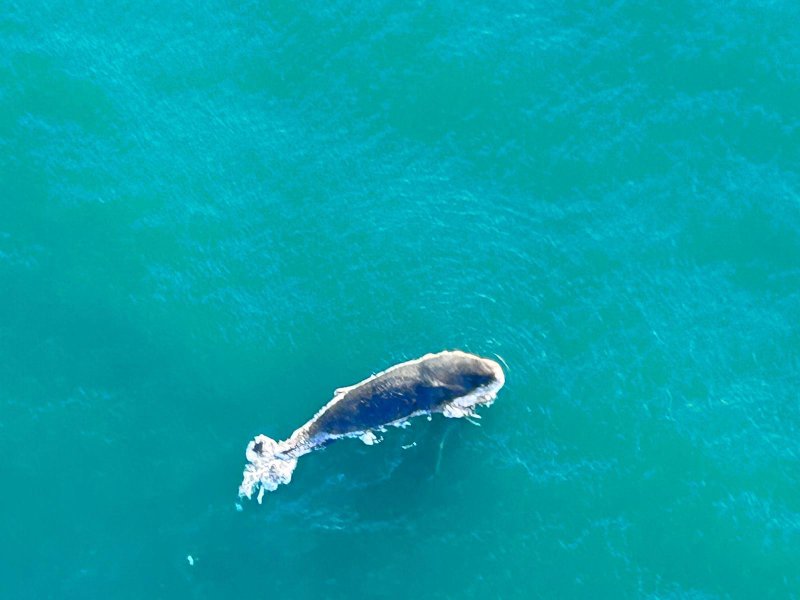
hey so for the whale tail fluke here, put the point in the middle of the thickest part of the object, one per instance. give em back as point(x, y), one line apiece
point(269, 466)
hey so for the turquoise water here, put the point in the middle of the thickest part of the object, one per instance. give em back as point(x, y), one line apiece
point(213, 214)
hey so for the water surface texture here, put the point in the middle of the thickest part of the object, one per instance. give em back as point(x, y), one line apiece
point(214, 213)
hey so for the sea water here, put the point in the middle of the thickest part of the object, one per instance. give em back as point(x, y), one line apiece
point(213, 214)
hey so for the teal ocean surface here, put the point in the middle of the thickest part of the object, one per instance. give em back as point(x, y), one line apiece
point(213, 214)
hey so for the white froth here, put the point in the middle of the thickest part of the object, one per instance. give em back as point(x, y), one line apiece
point(267, 469)
point(370, 438)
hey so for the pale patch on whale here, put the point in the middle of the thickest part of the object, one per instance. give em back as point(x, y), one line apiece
point(452, 383)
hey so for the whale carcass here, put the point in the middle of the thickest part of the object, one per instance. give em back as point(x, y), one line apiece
point(453, 383)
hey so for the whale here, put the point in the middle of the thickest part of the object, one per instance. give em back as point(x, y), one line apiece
point(452, 383)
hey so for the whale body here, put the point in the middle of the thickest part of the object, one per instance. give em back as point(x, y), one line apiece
point(452, 383)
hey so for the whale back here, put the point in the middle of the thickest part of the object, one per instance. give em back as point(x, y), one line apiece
point(425, 385)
